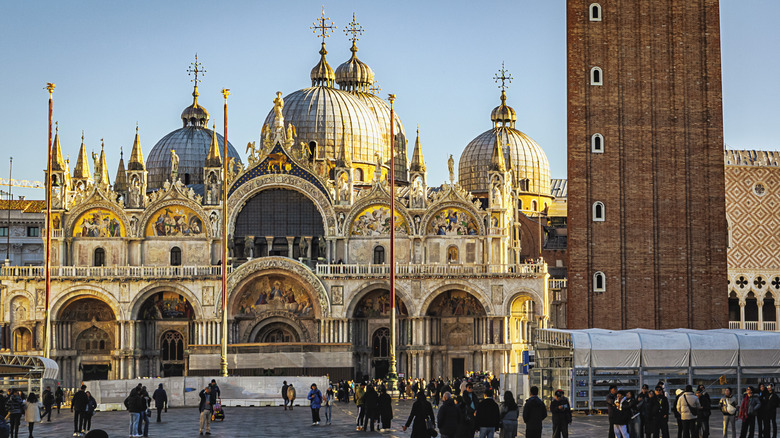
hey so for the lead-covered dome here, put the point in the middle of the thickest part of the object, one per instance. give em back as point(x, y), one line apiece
point(191, 143)
point(524, 157)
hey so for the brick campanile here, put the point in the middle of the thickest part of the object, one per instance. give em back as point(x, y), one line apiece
point(646, 214)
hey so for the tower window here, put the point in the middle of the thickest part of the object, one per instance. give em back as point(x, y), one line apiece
point(596, 76)
point(597, 144)
point(533, 205)
point(33, 232)
point(100, 257)
point(175, 256)
point(599, 282)
point(358, 174)
point(379, 255)
point(595, 12)
point(598, 211)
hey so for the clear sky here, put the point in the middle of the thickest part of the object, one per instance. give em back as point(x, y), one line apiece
point(118, 63)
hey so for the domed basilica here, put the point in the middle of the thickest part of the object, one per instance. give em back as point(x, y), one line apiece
point(136, 283)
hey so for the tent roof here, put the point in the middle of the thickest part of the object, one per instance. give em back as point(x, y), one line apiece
point(678, 348)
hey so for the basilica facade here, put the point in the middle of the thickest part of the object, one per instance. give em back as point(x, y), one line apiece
point(136, 264)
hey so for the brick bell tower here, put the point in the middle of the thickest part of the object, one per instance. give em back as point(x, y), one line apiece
point(646, 205)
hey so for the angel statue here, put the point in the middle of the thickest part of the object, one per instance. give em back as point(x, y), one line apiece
point(174, 165)
point(451, 168)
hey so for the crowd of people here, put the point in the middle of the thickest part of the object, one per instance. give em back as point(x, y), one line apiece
point(646, 413)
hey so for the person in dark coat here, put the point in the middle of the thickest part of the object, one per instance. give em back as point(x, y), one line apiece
point(561, 415)
point(78, 405)
point(206, 408)
point(611, 409)
point(160, 398)
point(135, 405)
point(385, 408)
point(315, 397)
point(48, 401)
point(703, 416)
point(652, 415)
point(449, 417)
point(421, 410)
point(487, 416)
point(284, 394)
point(59, 397)
point(370, 407)
point(534, 412)
point(772, 401)
point(15, 408)
point(663, 412)
point(89, 411)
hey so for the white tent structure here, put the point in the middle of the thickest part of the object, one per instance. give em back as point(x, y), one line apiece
point(584, 363)
point(31, 373)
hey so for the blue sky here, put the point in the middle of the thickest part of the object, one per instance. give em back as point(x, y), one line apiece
point(118, 63)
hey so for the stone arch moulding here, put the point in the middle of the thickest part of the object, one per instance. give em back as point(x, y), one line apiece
point(478, 217)
point(366, 202)
point(278, 265)
point(368, 287)
point(477, 293)
point(76, 213)
point(152, 209)
point(152, 289)
point(87, 291)
point(523, 292)
point(266, 319)
point(243, 194)
point(17, 293)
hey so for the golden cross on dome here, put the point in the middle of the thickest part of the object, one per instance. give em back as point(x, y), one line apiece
point(196, 68)
point(505, 77)
point(321, 26)
point(375, 88)
point(354, 28)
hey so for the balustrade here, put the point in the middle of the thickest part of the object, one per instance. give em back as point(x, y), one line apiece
point(115, 271)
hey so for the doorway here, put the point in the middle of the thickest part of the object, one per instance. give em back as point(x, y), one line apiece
point(381, 368)
point(458, 367)
point(95, 371)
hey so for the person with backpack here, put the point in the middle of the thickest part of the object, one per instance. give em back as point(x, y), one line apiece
point(15, 408)
point(315, 397)
point(688, 406)
point(291, 395)
point(729, 407)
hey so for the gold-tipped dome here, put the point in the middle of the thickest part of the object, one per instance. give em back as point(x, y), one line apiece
point(322, 74)
point(354, 75)
point(504, 113)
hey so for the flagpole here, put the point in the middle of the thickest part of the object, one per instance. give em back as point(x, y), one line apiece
point(392, 376)
point(223, 356)
point(47, 332)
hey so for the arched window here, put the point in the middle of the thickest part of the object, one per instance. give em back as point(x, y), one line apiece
point(93, 340)
point(599, 282)
point(533, 205)
point(596, 76)
point(100, 257)
point(175, 256)
point(186, 179)
point(172, 346)
point(595, 12)
point(22, 340)
point(598, 211)
point(312, 150)
point(520, 204)
point(597, 144)
point(379, 255)
point(380, 343)
point(358, 174)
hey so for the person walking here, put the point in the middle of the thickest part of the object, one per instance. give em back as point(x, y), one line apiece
point(78, 405)
point(327, 401)
point(509, 415)
point(315, 397)
point(772, 401)
point(561, 415)
point(32, 412)
point(534, 412)
point(160, 398)
point(134, 404)
point(488, 416)
point(290, 395)
point(48, 401)
point(703, 417)
point(449, 416)
point(729, 407)
point(206, 409)
point(359, 393)
point(89, 411)
point(284, 394)
point(688, 406)
point(15, 407)
point(385, 409)
point(401, 389)
point(59, 397)
point(143, 425)
point(370, 408)
point(748, 410)
point(418, 416)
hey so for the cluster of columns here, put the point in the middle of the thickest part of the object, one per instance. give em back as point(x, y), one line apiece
point(491, 330)
point(420, 363)
point(335, 331)
point(208, 332)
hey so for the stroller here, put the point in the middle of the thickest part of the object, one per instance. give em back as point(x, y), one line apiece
point(219, 413)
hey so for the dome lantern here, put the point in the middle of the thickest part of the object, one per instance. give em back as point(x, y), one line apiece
point(195, 115)
point(354, 75)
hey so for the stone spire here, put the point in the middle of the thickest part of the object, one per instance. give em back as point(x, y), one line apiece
point(136, 156)
point(344, 159)
point(418, 163)
point(57, 163)
point(101, 170)
point(214, 159)
point(81, 171)
point(120, 182)
point(497, 161)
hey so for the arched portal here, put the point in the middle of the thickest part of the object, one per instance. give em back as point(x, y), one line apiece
point(23, 341)
point(172, 346)
point(164, 318)
point(92, 324)
point(521, 323)
point(380, 352)
point(277, 332)
point(281, 214)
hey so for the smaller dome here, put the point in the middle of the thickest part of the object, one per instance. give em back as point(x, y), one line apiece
point(504, 113)
point(322, 73)
point(195, 115)
point(354, 75)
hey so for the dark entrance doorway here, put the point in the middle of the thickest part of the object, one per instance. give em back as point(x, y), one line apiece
point(95, 371)
point(458, 367)
point(173, 369)
point(381, 368)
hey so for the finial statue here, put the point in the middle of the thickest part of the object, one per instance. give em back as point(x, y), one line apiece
point(278, 104)
point(451, 168)
point(174, 165)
